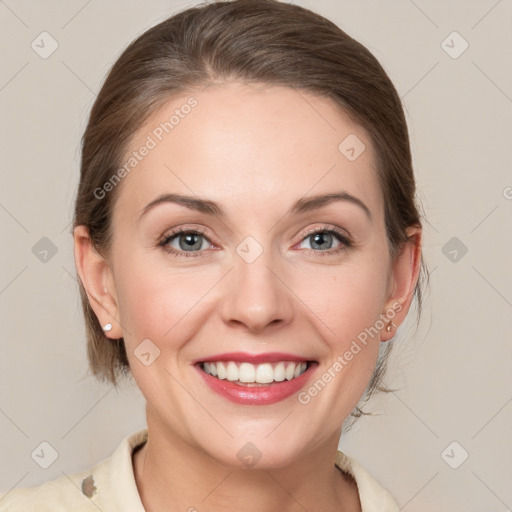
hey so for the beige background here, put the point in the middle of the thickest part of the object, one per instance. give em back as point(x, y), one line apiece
point(453, 374)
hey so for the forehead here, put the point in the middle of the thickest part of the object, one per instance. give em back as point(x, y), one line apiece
point(248, 146)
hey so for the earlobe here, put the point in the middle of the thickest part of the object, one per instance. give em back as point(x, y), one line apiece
point(404, 277)
point(96, 278)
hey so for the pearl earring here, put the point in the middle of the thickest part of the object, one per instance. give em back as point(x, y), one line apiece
point(107, 327)
point(391, 326)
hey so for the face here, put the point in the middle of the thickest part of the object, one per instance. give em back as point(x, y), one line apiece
point(284, 299)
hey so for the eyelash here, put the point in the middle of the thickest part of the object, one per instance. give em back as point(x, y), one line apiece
point(345, 242)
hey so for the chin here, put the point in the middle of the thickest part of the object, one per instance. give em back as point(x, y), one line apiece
point(256, 451)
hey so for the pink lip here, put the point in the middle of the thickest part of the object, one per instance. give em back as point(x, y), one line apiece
point(263, 395)
point(241, 357)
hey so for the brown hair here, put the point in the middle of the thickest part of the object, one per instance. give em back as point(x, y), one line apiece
point(263, 41)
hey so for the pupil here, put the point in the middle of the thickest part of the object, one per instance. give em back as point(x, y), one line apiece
point(190, 243)
point(321, 237)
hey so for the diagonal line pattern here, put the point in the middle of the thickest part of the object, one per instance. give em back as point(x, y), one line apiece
point(97, 402)
point(14, 218)
point(508, 506)
point(424, 14)
point(420, 80)
point(7, 7)
point(186, 185)
point(14, 486)
point(492, 81)
point(407, 502)
point(486, 14)
point(99, 304)
point(198, 301)
point(480, 430)
point(492, 211)
point(69, 273)
point(199, 403)
point(283, 283)
point(300, 300)
point(92, 92)
point(493, 287)
point(286, 491)
point(431, 225)
point(216, 487)
point(423, 422)
point(297, 91)
point(310, 189)
point(81, 493)
point(13, 279)
point(433, 270)
point(14, 76)
point(66, 226)
point(280, 423)
point(76, 14)
point(14, 423)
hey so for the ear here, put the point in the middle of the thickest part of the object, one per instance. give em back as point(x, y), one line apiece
point(404, 276)
point(97, 280)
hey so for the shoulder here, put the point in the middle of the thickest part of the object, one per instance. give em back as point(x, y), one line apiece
point(69, 492)
point(373, 497)
point(109, 484)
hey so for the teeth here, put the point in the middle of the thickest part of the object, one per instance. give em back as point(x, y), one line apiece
point(231, 371)
point(279, 373)
point(264, 373)
point(246, 373)
point(290, 370)
point(221, 370)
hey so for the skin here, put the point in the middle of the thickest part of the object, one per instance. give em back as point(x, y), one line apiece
point(255, 150)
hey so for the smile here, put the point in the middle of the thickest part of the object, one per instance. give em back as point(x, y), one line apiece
point(262, 379)
point(247, 374)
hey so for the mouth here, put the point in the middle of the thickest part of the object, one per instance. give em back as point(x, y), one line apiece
point(255, 375)
point(255, 379)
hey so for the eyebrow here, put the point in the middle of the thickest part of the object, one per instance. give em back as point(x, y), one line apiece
point(303, 205)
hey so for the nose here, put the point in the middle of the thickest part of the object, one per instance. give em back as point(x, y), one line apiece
point(257, 296)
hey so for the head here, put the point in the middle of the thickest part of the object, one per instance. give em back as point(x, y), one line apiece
point(251, 109)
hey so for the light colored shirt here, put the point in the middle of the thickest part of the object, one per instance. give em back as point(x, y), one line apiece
point(110, 486)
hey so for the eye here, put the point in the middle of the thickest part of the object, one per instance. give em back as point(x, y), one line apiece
point(192, 242)
point(322, 241)
point(185, 242)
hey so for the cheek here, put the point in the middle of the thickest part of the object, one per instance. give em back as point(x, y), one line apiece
point(348, 302)
point(348, 299)
point(160, 306)
point(158, 303)
point(350, 323)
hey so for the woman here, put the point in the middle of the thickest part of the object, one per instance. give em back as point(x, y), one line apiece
point(248, 243)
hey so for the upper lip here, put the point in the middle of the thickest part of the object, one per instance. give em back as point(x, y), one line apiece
point(245, 357)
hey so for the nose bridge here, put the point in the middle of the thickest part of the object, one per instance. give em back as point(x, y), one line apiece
point(256, 295)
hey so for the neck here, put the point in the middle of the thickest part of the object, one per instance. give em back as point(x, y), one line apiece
point(172, 475)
